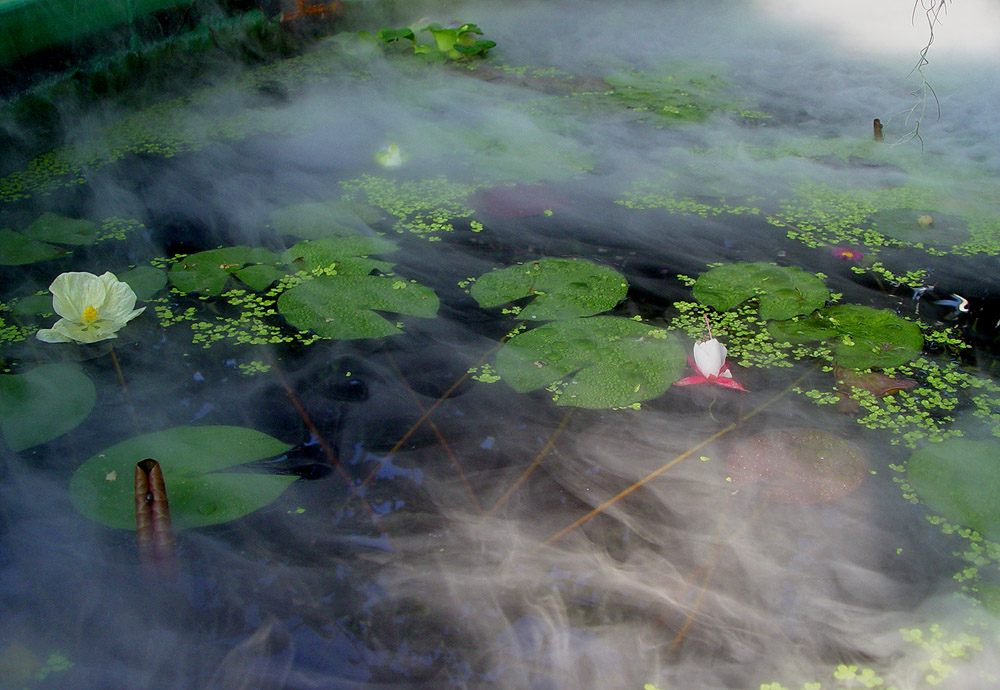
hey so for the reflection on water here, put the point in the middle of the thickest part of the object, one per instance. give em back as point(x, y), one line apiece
point(444, 529)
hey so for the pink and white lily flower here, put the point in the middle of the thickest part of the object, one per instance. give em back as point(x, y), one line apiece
point(710, 363)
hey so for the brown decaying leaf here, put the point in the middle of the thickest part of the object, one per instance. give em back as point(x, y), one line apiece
point(875, 383)
point(797, 465)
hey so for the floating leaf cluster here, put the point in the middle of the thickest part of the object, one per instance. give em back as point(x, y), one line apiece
point(583, 360)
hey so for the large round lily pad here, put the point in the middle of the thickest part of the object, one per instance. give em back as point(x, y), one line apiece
point(797, 465)
point(344, 306)
point(960, 479)
point(560, 288)
point(862, 337)
point(52, 227)
point(781, 291)
point(17, 250)
point(598, 362)
point(43, 403)
point(320, 219)
point(191, 458)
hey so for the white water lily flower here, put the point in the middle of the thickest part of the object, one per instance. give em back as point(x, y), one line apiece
point(93, 308)
point(710, 363)
point(710, 358)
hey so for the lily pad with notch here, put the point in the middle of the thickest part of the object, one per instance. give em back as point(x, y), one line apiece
point(560, 288)
point(17, 249)
point(208, 272)
point(193, 460)
point(781, 291)
point(319, 219)
point(960, 480)
point(52, 227)
point(862, 337)
point(343, 306)
point(43, 403)
point(597, 362)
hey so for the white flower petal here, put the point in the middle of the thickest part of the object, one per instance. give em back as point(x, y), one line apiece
point(709, 357)
point(75, 291)
point(51, 335)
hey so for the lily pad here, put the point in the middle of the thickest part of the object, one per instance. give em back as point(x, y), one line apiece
point(862, 337)
point(208, 272)
point(340, 255)
point(191, 459)
point(344, 306)
point(597, 362)
point(145, 281)
point(52, 227)
point(17, 250)
point(43, 403)
point(317, 220)
point(560, 288)
point(781, 291)
point(960, 479)
point(797, 465)
point(930, 228)
point(34, 305)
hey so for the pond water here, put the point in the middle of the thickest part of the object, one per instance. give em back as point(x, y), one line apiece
point(411, 329)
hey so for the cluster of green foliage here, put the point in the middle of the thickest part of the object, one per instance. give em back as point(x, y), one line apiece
point(787, 323)
point(581, 359)
point(459, 42)
point(329, 288)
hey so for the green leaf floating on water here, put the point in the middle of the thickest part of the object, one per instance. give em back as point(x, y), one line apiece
point(51, 227)
point(781, 291)
point(317, 220)
point(960, 479)
point(43, 403)
point(560, 288)
point(344, 306)
point(862, 337)
point(597, 362)
point(145, 281)
point(341, 302)
point(17, 250)
point(191, 459)
point(929, 228)
point(208, 272)
point(340, 255)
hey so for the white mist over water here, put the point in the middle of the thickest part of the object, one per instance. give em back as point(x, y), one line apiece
point(685, 583)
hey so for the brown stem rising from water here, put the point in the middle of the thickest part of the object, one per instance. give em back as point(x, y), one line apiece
point(152, 519)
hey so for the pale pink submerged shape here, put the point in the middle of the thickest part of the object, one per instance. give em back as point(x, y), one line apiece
point(93, 308)
point(710, 363)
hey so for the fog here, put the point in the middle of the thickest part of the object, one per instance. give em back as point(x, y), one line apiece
point(508, 543)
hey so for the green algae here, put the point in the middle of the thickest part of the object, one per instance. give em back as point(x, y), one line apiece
point(424, 207)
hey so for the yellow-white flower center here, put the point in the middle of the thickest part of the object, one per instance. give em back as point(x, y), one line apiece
point(89, 315)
